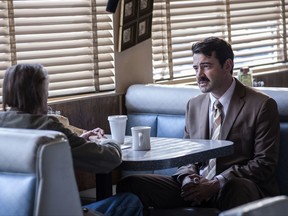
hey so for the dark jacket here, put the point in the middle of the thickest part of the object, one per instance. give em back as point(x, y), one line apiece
point(86, 155)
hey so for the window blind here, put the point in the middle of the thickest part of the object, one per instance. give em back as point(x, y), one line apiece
point(72, 39)
point(257, 31)
point(5, 54)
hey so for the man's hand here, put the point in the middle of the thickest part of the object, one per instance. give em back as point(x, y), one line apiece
point(196, 189)
point(97, 133)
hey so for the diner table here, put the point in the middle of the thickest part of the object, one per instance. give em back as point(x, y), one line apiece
point(172, 152)
point(165, 153)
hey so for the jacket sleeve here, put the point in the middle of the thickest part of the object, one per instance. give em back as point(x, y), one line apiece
point(89, 156)
point(184, 171)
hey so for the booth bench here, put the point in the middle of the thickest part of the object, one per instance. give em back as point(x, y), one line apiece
point(162, 107)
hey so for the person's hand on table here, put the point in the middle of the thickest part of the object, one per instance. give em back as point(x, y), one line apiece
point(96, 133)
point(196, 189)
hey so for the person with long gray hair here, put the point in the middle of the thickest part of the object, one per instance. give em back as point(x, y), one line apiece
point(25, 96)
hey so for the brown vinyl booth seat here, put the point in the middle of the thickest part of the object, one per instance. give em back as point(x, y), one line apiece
point(162, 107)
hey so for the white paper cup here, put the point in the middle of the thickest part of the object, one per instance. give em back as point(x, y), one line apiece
point(118, 127)
point(141, 138)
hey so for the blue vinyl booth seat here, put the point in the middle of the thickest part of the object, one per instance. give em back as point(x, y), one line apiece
point(159, 106)
point(162, 107)
point(36, 174)
point(271, 206)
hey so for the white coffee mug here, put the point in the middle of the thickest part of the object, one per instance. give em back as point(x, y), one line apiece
point(141, 138)
point(118, 127)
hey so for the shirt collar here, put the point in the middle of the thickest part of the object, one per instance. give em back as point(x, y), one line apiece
point(225, 98)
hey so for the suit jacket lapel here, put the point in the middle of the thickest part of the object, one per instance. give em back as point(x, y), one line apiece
point(204, 123)
point(236, 104)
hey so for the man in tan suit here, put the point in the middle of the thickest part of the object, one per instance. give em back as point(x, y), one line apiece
point(249, 119)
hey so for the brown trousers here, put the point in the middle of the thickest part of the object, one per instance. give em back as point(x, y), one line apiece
point(160, 191)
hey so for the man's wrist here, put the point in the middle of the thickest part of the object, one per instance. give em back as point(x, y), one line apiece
point(181, 178)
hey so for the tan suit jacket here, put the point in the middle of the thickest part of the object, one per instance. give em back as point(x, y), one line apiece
point(252, 123)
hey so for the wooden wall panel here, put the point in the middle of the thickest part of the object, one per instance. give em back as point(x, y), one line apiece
point(274, 80)
point(91, 112)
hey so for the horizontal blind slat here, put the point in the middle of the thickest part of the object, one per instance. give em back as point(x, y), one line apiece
point(254, 26)
point(59, 35)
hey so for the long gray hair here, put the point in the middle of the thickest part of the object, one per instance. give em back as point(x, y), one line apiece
point(25, 88)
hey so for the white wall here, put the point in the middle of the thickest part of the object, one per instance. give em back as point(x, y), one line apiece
point(133, 65)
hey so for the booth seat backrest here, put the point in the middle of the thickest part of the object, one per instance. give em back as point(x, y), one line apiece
point(271, 206)
point(162, 107)
point(36, 174)
point(280, 95)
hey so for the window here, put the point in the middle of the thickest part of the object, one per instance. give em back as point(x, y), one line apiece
point(257, 31)
point(73, 39)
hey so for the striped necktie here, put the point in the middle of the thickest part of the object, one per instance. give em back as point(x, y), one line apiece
point(209, 171)
point(217, 120)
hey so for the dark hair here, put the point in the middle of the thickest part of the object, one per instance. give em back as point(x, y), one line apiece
point(222, 49)
point(24, 88)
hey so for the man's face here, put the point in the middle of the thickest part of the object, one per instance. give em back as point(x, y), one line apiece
point(211, 77)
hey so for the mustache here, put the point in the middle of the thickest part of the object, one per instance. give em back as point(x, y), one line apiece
point(203, 78)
